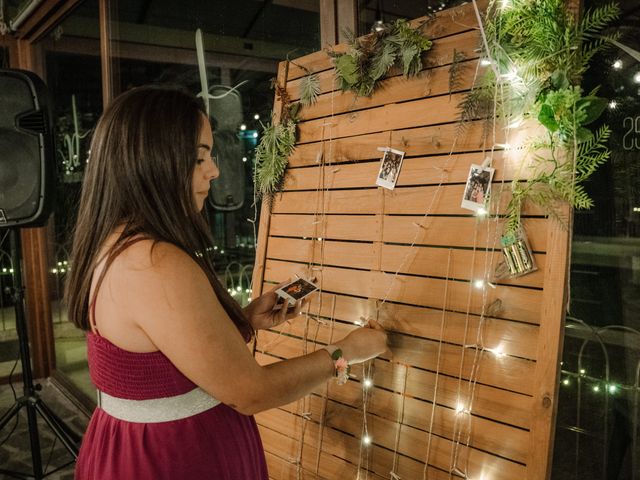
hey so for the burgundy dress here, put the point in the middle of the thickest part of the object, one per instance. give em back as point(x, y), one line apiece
point(218, 443)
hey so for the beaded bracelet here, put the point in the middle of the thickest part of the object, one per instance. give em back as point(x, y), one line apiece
point(342, 367)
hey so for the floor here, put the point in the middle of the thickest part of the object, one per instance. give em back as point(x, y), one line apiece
point(15, 453)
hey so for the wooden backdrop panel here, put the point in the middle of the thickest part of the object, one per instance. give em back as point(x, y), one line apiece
point(469, 388)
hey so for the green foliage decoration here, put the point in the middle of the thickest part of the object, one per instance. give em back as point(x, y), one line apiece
point(538, 52)
point(369, 58)
point(272, 154)
point(309, 89)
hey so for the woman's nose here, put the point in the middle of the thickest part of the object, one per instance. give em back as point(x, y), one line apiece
point(213, 171)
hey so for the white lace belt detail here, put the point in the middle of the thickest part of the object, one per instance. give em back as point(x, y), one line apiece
point(157, 410)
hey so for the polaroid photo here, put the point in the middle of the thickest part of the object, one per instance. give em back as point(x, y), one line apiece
point(390, 168)
point(478, 187)
point(296, 290)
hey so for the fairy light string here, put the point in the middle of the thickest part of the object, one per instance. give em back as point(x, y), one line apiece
point(437, 373)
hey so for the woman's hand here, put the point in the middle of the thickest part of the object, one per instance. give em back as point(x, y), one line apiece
point(261, 314)
point(364, 343)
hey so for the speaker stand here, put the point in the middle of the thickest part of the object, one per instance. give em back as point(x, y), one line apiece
point(30, 398)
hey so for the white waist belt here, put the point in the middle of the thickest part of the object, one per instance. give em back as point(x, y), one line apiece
point(157, 410)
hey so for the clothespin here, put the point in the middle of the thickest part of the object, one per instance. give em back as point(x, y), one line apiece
point(419, 225)
point(395, 476)
point(335, 170)
point(486, 163)
point(306, 415)
point(383, 149)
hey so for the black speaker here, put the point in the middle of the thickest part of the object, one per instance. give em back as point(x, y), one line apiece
point(27, 155)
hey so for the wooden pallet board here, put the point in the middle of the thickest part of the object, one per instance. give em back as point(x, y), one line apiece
point(459, 383)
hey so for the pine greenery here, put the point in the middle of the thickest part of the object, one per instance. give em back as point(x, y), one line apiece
point(539, 52)
point(369, 58)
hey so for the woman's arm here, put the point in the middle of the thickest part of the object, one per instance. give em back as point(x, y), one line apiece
point(169, 297)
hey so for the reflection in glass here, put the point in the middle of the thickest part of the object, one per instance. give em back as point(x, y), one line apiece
point(243, 42)
point(597, 430)
point(73, 76)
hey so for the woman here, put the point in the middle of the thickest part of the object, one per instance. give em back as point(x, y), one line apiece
point(167, 350)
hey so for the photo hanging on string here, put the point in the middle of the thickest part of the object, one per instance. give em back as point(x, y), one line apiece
point(478, 187)
point(390, 168)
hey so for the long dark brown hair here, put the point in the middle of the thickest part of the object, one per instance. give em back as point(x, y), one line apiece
point(143, 154)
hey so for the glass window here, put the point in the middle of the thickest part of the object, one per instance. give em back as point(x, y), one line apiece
point(155, 42)
point(597, 424)
point(72, 65)
point(371, 11)
point(243, 42)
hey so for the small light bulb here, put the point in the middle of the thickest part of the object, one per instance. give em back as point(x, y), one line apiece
point(460, 408)
point(613, 104)
point(613, 388)
point(358, 322)
point(582, 371)
point(498, 352)
point(243, 127)
point(256, 116)
point(485, 62)
point(367, 383)
point(478, 283)
point(366, 440)
point(482, 212)
point(244, 159)
point(636, 77)
point(617, 64)
point(566, 381)
point(239, 288)
point(596, 388)
point(222, 252)
point(55, 270)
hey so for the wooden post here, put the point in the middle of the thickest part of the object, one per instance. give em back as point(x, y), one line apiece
point(328, 26)
point(549, 351)
point(265, 212)
point(35, 256)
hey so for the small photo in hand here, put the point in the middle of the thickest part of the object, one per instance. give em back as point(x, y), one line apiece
point(390, 168)
point(296, 290)
point(478, 187)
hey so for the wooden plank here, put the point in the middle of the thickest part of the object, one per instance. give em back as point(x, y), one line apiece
point(508, 373)
point(513, 338)
point(522, 304)
point(447, 423)
point(500, 405)
point(458, 231)
point(415, 171)
point(445, 23)
point(426, 261)
point(338, 227)
point(417, 413)
point(430, 82)
point(547, 374)
point(444, 199)
point(265, 210)
point(393, 116)
point(441, 231)
point(413, 443)
point(435, 140)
